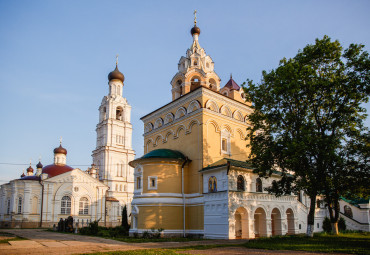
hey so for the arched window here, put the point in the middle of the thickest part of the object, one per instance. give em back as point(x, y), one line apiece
point(348, 211)
point(119, 113)
point(258, 185)
point(212, 184)
point(19, 205)
point(65, 206)
point(84, 206)
point(240, 183)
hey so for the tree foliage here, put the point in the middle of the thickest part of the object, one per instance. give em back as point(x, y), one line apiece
point(308, 123)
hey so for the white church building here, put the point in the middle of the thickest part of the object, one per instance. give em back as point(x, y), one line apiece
point(41, 198)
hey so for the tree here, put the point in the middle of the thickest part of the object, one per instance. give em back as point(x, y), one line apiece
point(307, 122)
point(125, 224)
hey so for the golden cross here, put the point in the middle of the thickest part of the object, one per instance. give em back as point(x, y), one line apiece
point(195, 17)
point(60, 140)
point(117, 60)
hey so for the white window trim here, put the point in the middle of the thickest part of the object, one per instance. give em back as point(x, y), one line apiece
point(149, 182)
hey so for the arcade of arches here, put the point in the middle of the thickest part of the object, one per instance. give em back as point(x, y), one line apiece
point(263, 224)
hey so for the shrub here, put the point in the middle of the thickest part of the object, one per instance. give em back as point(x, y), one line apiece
point(342, 224)
point(326, 225)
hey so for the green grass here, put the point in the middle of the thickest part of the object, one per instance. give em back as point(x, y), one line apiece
point(14, 237)
point(353, 243)
point(350, 243)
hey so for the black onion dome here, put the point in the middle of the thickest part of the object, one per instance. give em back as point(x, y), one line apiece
point(39, 165)
point(60, 149)
point(116, 75)
point(195, 30)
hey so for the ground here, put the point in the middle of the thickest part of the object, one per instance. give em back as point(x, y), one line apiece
point(45, 242)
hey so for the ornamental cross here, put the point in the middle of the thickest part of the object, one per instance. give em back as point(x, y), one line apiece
point(195, 17)
point(117, 60)
point(60, 140)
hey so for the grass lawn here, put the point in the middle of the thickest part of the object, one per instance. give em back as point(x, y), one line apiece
point(354, 243)
point(13, 237)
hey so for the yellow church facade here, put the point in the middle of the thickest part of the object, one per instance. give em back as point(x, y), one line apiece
point(193, 179)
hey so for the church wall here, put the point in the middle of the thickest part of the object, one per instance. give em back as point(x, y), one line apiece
point(161, 216)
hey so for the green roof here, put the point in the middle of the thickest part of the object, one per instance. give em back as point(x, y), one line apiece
point(356, 202)
point(164, 153)
point(233, 162)
point(224, 162)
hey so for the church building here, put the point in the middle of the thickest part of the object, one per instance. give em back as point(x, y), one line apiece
point(193, 178)
point(41, 198)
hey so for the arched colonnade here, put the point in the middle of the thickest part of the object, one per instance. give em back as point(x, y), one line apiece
point(263, 224)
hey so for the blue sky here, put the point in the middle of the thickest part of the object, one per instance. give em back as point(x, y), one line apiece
point(55, 57)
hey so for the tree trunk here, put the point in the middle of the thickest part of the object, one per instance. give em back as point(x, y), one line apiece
point(311, 217)
point(334, 228)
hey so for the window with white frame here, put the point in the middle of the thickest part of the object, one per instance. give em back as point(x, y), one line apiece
point(225, 142)
point(19, 205)
point(84, 206)
point(65, 205)
point(152, 182)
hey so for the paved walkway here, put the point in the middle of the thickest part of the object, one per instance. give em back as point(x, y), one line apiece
point(45, 242)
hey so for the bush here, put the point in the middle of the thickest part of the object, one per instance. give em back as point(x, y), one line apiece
point(326, 225)
point(342, 224)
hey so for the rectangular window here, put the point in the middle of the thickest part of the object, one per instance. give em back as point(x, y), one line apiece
point(19, 205)
point(138, 182)
point(152, 182)
point(8, 207)
point(224, 144)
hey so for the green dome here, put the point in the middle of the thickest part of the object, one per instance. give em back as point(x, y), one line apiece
point(164, 153)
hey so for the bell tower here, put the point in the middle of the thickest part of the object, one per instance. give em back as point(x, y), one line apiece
point(114, 140)
point(195, 69)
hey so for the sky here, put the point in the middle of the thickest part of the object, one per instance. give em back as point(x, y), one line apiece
point(55, 57)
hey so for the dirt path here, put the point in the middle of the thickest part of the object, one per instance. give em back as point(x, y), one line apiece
point(45, 242)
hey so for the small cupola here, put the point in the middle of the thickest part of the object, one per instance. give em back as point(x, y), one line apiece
point(29, 170)
point(60, 155)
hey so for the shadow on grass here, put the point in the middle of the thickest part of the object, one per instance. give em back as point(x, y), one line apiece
point(353, 243)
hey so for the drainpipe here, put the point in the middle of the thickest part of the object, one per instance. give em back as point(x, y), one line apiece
point(182, 191)
point(42, 201)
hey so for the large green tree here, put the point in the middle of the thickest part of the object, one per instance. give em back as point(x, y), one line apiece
point(308, 123)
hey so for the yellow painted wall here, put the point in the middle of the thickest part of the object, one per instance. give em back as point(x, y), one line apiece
point(167, 217)
point(194, 217)
point(169, 176)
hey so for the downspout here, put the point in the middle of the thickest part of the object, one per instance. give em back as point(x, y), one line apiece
point(42, 200)
point(182, 191)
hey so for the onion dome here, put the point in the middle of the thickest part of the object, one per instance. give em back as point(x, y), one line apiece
point(195, 30)
point(54, 170)
point(23, 175)
point(60, 149)
point(39, 165)
point(30, 169)
point(116, 75)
